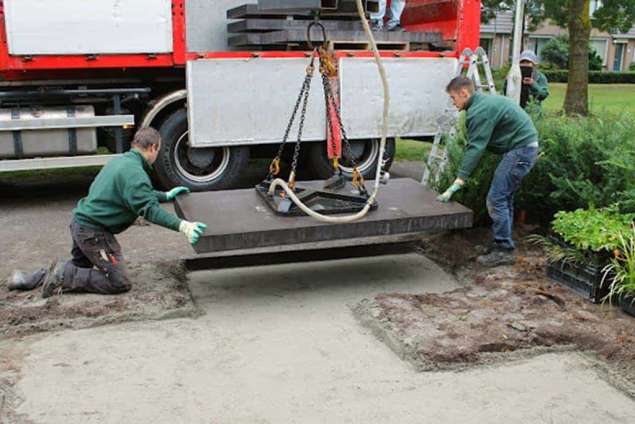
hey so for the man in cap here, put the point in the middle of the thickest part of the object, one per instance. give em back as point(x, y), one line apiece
point(535, 85)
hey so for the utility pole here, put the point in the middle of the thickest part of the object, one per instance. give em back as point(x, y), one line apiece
point(514, 78)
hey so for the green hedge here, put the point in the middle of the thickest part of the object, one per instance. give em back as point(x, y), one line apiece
point(585, 162)
point(595, 77)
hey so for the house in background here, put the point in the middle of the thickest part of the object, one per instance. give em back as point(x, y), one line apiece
point(616, 50)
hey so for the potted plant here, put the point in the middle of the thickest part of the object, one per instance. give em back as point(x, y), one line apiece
point(622, 269)
point(583, 243)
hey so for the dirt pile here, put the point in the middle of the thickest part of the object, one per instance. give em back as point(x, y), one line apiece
point(509, 309)
point(159, 290)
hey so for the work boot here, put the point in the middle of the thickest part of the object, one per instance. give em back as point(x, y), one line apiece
point(497, 257)
point(54, 279)
point(377, 25)
point(21, 281)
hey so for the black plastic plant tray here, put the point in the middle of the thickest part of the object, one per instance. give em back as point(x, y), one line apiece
point(323, 202)
point(628, 304)
point(586, 280)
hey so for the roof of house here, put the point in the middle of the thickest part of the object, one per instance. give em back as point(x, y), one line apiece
point(630, 34)
point(503, 23)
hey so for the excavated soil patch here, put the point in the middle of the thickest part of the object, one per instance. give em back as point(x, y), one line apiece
point(499, 314)
point(159, 291)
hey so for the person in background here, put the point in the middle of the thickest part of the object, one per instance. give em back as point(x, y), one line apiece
point(535, 85)
point(394, 19)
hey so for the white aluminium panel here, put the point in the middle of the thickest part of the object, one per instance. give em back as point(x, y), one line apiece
point(56, 27)
point(417, 95)
point(245, 101)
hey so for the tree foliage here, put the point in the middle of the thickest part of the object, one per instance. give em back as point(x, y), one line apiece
point(612, 16)
point(574, 15)
point(555, 55)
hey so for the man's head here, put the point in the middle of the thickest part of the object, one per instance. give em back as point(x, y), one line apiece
point(148, 142)
point(528, 58)
point(460, 90)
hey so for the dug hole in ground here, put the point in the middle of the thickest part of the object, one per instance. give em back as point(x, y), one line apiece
point(425, 337)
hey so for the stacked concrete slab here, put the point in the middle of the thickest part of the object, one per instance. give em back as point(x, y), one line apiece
point(281, 25)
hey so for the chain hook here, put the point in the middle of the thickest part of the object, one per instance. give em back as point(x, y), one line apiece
point(308, 33)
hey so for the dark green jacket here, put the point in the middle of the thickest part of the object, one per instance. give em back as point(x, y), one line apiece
point(539, 90)
point(120, 193)
point(497, 124)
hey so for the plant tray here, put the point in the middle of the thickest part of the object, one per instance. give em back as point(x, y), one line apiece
point(584, 279)
point(628, 304)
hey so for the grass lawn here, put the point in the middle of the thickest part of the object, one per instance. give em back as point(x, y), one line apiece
point(602, 97)
point(412, 149)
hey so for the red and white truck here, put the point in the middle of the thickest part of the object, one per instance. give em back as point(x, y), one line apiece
point(77, 77)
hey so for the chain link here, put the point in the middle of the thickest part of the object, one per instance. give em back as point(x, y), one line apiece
point(306, 85)
point(296, 152)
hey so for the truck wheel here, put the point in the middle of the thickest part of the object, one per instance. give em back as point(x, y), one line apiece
point(365, 152)
point(202, 169)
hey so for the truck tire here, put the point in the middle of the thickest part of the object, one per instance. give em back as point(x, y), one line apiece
point(202, 169)
point(364, 151)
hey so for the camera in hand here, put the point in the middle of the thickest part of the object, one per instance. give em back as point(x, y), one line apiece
point(526, 72)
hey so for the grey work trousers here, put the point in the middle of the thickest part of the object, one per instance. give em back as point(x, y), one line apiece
point(97, 266)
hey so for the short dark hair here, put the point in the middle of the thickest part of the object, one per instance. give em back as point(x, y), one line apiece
point(460, 83)
point(146, 137)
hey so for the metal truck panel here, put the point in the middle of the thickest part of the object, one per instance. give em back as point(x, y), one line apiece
point(48, 142)
point(417, 95)
point(250, 101)
point(50, 27)
point(206, 23)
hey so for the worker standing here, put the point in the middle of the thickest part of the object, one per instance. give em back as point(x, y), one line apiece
point(120, 193)
point(497, 124)
point(535, 87)
point(394, 19)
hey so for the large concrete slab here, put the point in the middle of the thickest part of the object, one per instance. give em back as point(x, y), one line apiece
point(239, 219)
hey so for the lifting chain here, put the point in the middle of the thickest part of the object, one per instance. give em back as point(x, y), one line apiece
point(328, 69)
point(274, 167)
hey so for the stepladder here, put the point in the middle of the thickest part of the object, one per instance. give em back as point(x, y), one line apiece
point(471, 64)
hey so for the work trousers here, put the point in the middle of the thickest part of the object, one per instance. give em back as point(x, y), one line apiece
point(98, 265)
point(511, 170)
point(396, 9)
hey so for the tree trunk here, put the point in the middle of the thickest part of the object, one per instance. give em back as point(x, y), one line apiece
point(576, 101)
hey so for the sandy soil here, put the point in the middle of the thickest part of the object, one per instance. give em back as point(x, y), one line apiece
point(497, 314)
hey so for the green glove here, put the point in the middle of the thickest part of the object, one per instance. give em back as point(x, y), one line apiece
point(192, 230)
point(170, 195)
point(447, 195)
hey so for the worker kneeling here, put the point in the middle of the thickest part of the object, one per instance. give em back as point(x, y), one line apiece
point(497, 124)
point(120, 193)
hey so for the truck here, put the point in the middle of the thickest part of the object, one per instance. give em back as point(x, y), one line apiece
point(77, 78)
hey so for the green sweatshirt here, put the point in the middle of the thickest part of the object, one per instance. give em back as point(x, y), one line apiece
point(120, 193)
point(497, 124)
point(539, 90)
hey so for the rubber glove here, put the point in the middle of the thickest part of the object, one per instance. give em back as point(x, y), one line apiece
point(192, 230)
point(170, 195)
point(447, 195)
